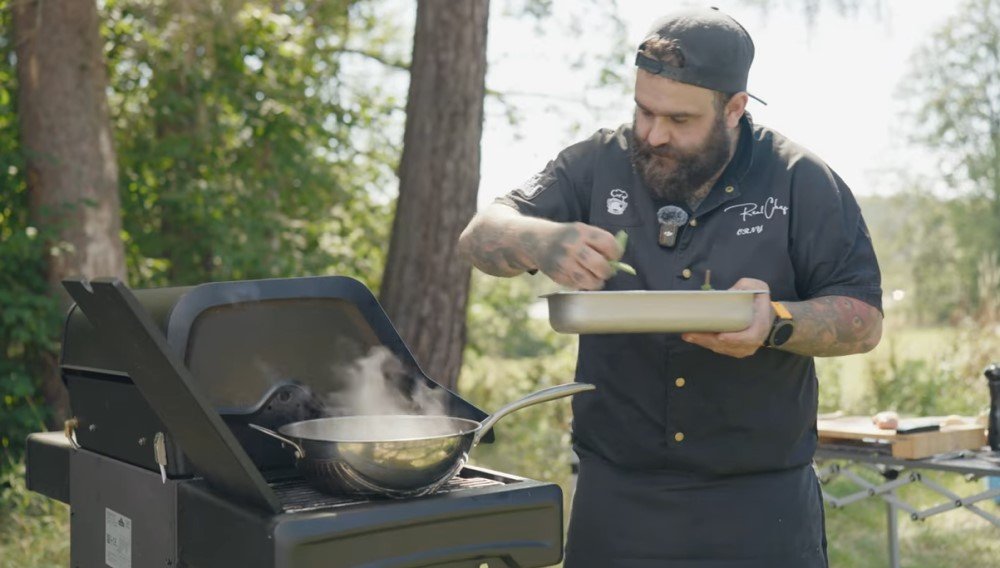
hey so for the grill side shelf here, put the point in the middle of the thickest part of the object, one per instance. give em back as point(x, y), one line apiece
point(171, 391)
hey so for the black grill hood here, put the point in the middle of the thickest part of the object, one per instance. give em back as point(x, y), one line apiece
point(201, 362)
point(243, 340)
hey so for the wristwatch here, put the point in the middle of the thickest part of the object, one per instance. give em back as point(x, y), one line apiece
point(781, 328)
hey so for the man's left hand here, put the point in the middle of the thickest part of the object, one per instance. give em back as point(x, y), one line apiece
point(743, 343)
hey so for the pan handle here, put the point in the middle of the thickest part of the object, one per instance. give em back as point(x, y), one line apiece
point(299, 452)
point(544, 395)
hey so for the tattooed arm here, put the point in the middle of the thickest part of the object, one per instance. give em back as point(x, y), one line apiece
point(502, 242)
point(833, 325)
point(824, 327)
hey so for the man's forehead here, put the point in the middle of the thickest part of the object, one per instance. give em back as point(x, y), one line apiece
point(666, 96)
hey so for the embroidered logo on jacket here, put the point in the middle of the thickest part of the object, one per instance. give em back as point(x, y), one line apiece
point(748, 211)
point(617, 202)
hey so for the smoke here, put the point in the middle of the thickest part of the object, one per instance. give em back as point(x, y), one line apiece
point(379, 384)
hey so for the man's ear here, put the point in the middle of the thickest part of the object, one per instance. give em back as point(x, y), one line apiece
point(735, 107)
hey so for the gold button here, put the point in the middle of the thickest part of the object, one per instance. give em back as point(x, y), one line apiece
point(730, 189)
point(694, 222)
point(679, 437)
point(686, 273)
point(680, 382)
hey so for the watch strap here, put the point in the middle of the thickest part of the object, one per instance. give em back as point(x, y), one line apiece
point(782, 318)
point(780, 311)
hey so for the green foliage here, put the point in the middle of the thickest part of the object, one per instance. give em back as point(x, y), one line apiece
point(954, 90)
point(813, 9)
point(937, 251)
point(34, 529)
point(955, 84)
point(29, 320)
point(246, 149)
point(951, 383)
point(829, 372)
point(500, 322)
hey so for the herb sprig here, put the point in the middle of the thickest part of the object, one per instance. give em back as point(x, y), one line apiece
point(621, 238)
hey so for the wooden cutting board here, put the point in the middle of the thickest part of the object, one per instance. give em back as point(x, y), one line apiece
point(968, 435)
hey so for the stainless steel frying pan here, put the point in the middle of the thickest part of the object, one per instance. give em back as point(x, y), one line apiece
point(394, 455)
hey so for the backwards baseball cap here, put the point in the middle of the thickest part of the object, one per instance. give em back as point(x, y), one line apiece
point(717, 50)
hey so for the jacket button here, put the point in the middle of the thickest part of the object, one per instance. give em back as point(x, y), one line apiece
point(729, 189)
point(693, 223)
point(679, 437)
point(680, 382)
point(686, 273)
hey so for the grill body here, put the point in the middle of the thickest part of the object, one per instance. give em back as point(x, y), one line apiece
point(222, 356)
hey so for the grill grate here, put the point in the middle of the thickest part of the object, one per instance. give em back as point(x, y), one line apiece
point(297, 496)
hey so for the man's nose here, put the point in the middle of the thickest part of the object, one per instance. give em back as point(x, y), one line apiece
point(659, 134)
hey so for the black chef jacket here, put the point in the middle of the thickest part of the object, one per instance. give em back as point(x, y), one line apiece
point(777, 214)
point(688, 458)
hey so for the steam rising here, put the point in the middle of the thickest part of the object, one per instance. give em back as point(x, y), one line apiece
point(378, 384)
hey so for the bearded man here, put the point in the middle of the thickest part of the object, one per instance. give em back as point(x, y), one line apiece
point(696, 448)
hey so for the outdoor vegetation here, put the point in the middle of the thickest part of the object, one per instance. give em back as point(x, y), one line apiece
point(261, 139)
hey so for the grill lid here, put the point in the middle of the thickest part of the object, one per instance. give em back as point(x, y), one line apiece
point(171, 390)
point(242, 340)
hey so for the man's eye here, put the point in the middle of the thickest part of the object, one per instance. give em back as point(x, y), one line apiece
point(645, 113)
point(679, 119)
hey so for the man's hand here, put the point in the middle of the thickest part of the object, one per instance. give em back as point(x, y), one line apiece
point(826, 326)
point(575, 255)
point(502, 242)
point(746, 342)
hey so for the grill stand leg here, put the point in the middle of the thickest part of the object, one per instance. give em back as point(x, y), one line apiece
point(892, 516)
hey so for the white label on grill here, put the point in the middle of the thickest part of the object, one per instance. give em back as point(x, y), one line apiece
point(117, 540)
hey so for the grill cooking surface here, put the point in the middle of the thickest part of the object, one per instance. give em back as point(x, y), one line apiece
point(297, 496)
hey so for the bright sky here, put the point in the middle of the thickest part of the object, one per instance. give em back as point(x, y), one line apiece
point(831, 87)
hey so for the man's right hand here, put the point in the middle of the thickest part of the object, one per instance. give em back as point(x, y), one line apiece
point(575, 255)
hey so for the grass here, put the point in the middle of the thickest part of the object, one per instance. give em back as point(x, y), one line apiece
point(34, 530)
point(858, 532)
point(852, 371)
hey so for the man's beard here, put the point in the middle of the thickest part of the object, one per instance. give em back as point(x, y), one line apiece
point(676, 175)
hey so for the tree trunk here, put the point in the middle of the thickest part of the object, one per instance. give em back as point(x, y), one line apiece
point(67, 140)
point(425, 287)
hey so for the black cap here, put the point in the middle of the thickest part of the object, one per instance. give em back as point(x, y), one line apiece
point(717, 50)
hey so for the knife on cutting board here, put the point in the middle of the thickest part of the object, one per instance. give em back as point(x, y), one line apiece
point(917, 425)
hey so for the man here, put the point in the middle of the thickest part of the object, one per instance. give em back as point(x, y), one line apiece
point(695, 449)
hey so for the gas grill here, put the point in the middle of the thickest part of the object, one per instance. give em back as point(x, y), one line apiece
point(160, 467)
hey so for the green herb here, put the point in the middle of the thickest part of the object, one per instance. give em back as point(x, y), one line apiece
point(708, 281)
point(617, 265)
point(621, 237)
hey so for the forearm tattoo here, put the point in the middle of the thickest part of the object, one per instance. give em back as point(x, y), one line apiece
point(497, 251)
point(833, 325)
point(503, 248)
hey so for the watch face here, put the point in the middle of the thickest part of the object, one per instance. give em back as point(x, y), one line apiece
point(782, 333)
